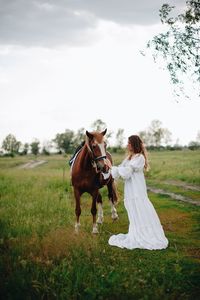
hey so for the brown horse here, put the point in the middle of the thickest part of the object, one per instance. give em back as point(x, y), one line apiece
point(90, 171)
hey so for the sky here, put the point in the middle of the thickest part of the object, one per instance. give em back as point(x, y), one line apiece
point(66, 63)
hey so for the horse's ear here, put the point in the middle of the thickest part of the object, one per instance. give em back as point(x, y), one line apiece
point(90, 135)
point(104, 132)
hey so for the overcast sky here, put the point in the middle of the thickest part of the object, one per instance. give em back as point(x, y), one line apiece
point(65, 64)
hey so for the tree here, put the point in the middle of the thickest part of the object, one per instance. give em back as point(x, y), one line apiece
point(198, 137)
point(179, 46)
point(79, 137)
point(64, 141)
point(17, 146)
point(120, 138)
point(10, 144)
point(145, 136)
point(100, 125)
point(35, 147)
point(46, 148)
point(158, 134)
point(155, 135)
point(25, 149)
point(193, 145)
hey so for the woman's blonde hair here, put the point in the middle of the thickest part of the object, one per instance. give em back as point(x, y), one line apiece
point(138, 147)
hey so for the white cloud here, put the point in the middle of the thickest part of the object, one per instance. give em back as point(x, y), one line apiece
point(44, 91)
point(66, 22)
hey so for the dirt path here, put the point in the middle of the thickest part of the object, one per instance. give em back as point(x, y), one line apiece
point(173, 195)
point(182, 184)
point(32, 164)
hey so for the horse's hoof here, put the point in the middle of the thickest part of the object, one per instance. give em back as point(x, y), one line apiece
point(76, 227)
point(115, 217)
point(95, 230)
point(100, 220)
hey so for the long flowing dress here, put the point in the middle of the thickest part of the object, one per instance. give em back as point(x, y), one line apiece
point(145, 230)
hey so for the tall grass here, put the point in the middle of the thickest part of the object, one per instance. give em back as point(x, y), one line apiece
point(177, 165)
point(42, 257)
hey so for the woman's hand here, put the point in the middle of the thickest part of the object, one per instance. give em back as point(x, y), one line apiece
point(108, 163)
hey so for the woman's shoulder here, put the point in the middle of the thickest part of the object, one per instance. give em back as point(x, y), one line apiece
point(137, 159)
point(138, 155)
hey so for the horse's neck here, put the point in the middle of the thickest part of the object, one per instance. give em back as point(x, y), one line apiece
point(85, 159)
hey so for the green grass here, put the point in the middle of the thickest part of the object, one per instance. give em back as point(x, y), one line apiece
point(177, 165)
point(172, 171)
point(42, 257)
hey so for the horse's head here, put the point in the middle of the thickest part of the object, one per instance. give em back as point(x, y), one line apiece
point(97, 148)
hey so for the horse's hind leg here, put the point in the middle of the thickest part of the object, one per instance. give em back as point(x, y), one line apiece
point(112, 195)
point(100, 209)
point(77, 209)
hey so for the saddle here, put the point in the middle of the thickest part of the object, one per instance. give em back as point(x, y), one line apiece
point(72, 159)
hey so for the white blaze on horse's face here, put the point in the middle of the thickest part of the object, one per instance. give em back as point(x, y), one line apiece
point(100, 155)
point(98, 148)
point(102, 149)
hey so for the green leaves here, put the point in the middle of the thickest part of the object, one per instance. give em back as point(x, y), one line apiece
point(179, 47)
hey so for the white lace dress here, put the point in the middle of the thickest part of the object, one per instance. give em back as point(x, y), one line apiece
point(145, 230)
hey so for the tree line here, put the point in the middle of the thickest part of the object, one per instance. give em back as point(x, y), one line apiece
point(154, 137)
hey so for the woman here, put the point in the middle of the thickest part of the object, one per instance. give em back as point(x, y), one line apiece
point(145, 230)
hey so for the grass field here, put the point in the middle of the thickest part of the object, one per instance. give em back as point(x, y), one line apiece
point(42, 257)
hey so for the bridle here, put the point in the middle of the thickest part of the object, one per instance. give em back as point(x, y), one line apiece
point(95, 159)
point(99, 157)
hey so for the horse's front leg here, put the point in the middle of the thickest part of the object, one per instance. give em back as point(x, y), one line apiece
point(94, 211)
point(112, 195)
point(100, 209)
point(77, 196)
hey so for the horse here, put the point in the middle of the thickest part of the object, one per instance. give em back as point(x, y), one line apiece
point(90, 171)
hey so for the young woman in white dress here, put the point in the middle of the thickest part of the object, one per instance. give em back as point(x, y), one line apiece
point(145, 230)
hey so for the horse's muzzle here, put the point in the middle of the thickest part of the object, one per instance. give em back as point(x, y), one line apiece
point(102, 166)
point(106, 169)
